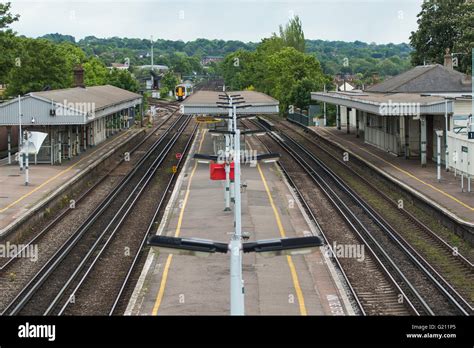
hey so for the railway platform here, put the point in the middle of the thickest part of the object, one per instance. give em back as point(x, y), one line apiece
point(445, 195)
point(18, 202)
point(190, 285)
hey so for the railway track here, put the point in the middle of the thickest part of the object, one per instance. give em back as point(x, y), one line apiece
point(379, 296)
point(7, 262)
point(54, 281)
point(420, 284)
point(109, 258)
point(448, 262)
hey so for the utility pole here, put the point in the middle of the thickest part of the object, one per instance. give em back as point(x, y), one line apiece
point(152, 79)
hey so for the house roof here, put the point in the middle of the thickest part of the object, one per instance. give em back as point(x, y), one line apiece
point(101, 96)
point(425, 79)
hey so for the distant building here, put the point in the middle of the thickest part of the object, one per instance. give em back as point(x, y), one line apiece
point(119, 66)
point(2, 89)
point(156, 67)
point(211, 59)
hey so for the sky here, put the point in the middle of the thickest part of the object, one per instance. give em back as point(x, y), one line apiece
point(380, 21)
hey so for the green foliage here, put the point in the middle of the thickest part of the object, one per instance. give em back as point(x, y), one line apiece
point(293, 35)
point(184, 58)
point(442, 25)
point(42, 64)
point(123, 79)
point(6, 18)
point(116, 49)
point(169, 81)
point(277, 69)
point(58, 38)
point(95, 72)
point(164, 92)
point(9, 52)
point(361, 58)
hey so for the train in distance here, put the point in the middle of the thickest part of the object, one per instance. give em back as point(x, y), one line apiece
point(183, 90)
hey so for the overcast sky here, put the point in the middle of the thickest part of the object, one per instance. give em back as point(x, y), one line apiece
point(380, 21)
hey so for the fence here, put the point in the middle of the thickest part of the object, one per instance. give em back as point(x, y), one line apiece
point(301, 119)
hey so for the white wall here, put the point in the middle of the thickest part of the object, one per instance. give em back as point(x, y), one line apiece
point(461, 161)
point(352, 117)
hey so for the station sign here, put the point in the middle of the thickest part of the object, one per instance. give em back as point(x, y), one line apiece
point(207, 119)
point(217, 171)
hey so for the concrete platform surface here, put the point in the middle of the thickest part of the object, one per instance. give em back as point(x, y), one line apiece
point(190, 285)
point(446, 193)
point(16, 199)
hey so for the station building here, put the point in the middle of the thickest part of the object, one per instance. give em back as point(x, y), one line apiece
point(74, 118)
point(402, 114)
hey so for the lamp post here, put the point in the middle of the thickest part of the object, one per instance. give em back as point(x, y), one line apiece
point(228, 148)
point(237, 305)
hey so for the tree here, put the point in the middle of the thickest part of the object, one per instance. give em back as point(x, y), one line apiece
point(123, 79)
point(8, 42)
point(300, 93)
point(169, 80)
point(293, 34)
point(291, 72)
point(442, 25)
point(6, 18)
point(42, 64)
point(58, 38)
point(9, 54)
point(95, 72)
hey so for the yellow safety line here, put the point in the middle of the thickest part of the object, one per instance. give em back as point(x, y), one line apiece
point(409, 174)
point(164, 277)
point(56, 176)
point(294, 275)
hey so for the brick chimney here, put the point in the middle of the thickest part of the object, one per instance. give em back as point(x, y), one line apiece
point(79, 76)
point(448, 60)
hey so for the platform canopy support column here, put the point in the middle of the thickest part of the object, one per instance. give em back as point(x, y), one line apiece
point(338, 117)
point(9, 139)
point(423, 140)
point(78, 147)
point(406, 128)
point(357, 123)
point(60, 148)
point(69, 146)
point(348, 113)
